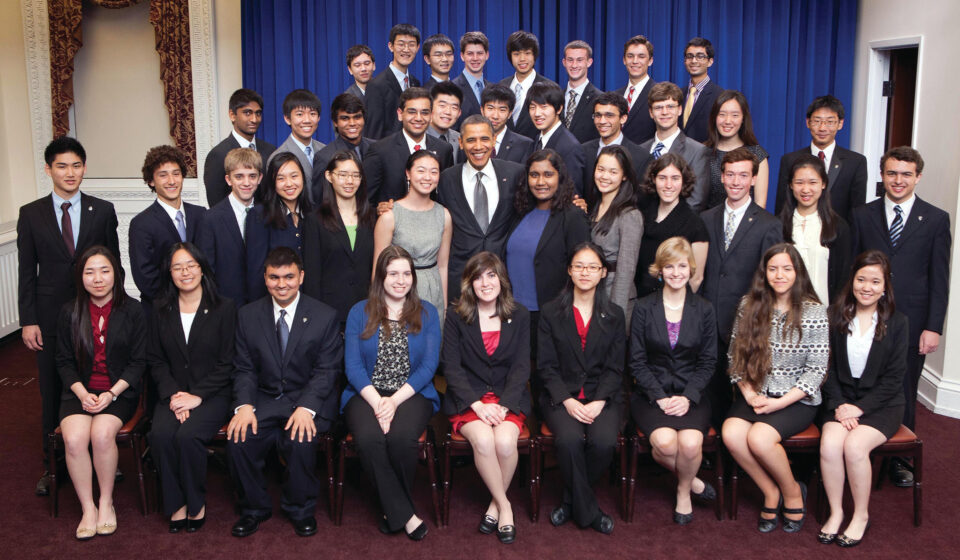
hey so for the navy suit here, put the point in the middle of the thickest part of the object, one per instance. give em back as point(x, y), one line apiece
point(386, 162)
point(697, 126)
point(582, 124)
point(214, 174)
point(382, 101)
point(524, 125)
point(470, 105)
point(318, 181)
point(571, 152)
point(639, 126)
point(221, 241)
point(514, 147)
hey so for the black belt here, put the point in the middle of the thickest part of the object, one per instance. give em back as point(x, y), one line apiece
point(425, 266)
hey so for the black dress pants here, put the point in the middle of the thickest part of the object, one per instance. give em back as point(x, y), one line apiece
point(51, 390)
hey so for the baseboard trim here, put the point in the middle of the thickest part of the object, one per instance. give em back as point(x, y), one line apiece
point(940, 395)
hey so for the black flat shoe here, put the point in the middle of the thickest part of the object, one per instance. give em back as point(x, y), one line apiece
point(306, 527)
point(507, 534)
point(248, 525)
point(488, 524)
point(846, 542)
point(826, 538)
point(765, 525)
point(603, 524)
point(178, 525)
point(791, 525)
point(682, 518)
point(419, 533)
point(194, 525)
point(900, 474)
point(560, 515)
point(708, 495)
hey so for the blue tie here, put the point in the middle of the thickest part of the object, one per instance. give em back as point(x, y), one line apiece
point(658, 150)
point(896, 227)
point(478, 85)
point(309, 151)
point(181, 226)
point(283, 332)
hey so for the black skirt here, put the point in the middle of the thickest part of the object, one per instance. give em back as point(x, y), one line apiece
point(122, 408)
point(787, 421)
point(885, 420)
point(648, 416)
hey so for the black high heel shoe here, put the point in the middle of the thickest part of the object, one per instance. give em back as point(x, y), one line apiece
point(792, 525)
point(846, 542)
point(765, 525)
point(178, 525)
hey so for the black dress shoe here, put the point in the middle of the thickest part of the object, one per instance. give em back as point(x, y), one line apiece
point(900, 474)
point(43, 485)
point(384, 527)
point(826, 538)
point(306, 527)
point(682, 518)
point(707, 495)
point(794, 525)
point(603, 524)
point(507, 534)
point(488, 524)
point(194, 525)
point(118, 476)
point(248, 525)
point(765, 525)
point(178, 525)
point(419, 533)
point(846, 542)
point(560, 515)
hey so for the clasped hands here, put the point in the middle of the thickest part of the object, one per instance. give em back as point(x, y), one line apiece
point(677, 405)
point(181, 403)
point(763, 404)
point(584, 413)
point(491, 414)
point(95, 404)
point(848, 415)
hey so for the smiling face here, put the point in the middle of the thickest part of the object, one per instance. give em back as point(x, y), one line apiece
point(168, 182)
point(522, 61)
point(868, 285)
point(543, 180)
point(477, 141)
point(586, 270)
point(738, 179)
point(404, 49)
point(474, 58)
point(303, 123)
point(446, 111)
point(415, 117)
point(283, 283)
point(243, 183)
point(900, 178)
point(576, 62)
point(729, 119)
point(638, 61)
point(439, 59)
point(350, 126)
point(345, 178)
point(696, 60)
point(608, 121)
point(807, 187)
point(669, 183)
point(289, 183)
point(497, 112)
point(362, 68)
point(185, 272)
point(666, 114)
point(543, 115)
point(246, 120)
point(608, 175)
point(781, 274)
point(487, 286)
point(424, 175)
point(398, 280)
point(66, 171)
point(676, 273)
point(98, 279)
point(824, 125)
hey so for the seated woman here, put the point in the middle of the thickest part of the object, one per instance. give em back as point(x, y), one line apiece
point(101, 355)
point(673, 353)
point(486, 350)
point(863, 393)
point(191, 359)
point(778, 358)
point(582, 344)
point(391, 351)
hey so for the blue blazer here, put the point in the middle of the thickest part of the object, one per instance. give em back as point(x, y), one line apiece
point(360, 355)
point(220, 239)
point(261, 239)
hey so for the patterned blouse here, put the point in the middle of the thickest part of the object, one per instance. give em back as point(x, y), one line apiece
point(801, 364)
point(393, 359)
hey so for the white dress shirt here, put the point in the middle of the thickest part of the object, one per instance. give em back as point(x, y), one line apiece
point(524, 88)
point(827, 153)
point(400, 75)
point(615, 142)
point(499, 139)
point(667, 142)
point(291, 309)
point(244, 143)
point(172, 212)
point(637, 88)
point(858, 345)
point(905, 206)
point(738, 214)
point(186, 319)
point(411, 143)
point(545, 136)
point(240, 212)
point(489, 181)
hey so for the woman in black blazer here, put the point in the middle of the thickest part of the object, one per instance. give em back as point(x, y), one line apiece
point(863, 394)
point(191, 360)
point(101, 339)
point(673, 354)
point(338, 243)
point(580, 365)
point(486, 346)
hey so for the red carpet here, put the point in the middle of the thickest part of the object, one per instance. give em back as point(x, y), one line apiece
point(27, 530)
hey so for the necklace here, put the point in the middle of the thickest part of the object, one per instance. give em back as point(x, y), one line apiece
point(671, 307)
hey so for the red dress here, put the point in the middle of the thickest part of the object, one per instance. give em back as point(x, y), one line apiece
point(491, 339)
point(582, 330)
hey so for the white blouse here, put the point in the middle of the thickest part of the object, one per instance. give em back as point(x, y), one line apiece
point(186, 319)
point(858, 345)
point(816, 257)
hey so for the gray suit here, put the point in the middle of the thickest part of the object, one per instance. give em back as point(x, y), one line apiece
point(453, 138)
point(290, 145)
point(697, 156)
point(355, 90)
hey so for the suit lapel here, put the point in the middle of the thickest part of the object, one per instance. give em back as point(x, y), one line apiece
point(199, 320)
point(87, 214)
point(161, 216)
point(879, 219)
point(232, 227)
point(549, 230)
point(300, 322)
point(175, 327)
point(505, 202)
point(573, 337)
point(269, 329)
point(595, 334)
point(50, 219)
point(749, 218)
point(342, 237)
point(914, 221)
point(660, 320)
point(835, 166)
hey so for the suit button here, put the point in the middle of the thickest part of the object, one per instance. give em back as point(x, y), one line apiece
point(489, 388)
point(723, 275)
point(186, 366)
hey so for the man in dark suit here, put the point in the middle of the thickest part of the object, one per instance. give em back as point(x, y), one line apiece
point(349, 116)
point(523, 48)
point(638, 58)
point(438, 54)
point(915, 236)
point(740, 233)
point(702, 91)
point(246, 114)
point(545, 107)
point(609, 112)
point(289, 355)
point(664, 105)
point(361, 65)
point(497, 104)
point(386, 162)
point(846, 170)
point(221, 232)
point(479, 196)
point(383, 91)
point(301, 111)
point(168, 220)
point(580, 93)
point(447, 99)
point(51, 233)
point(474, 52)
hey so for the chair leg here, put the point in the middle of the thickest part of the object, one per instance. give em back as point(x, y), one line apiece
point(625, 450)
point(734, 474)
point(338, 517)
point(536, 474)
point(918, 483)
point(634, 453)
point(718, 480)
point(432, 472)
point(446, 451)
point(331, 482)
point(52, 470)
point(136, 444)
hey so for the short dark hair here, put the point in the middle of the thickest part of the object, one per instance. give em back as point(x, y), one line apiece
point(497, 92)
point(434, 40)
point(700, 42)
point(282, 256)
point(543, 93)
point(578, 44)
point(356, 50)
point(404, 29)
point(663, 91)
point(612, 98)
point(638, 40)
point(243, 97)
point(828, 102)
point(521, 41)
point(446, 87)
point(474, 38)
point(414, 93)
point(159, 155)
point(347, 103)
point(300, 98)
point(475, 119)
point(903, 153)
point(740, 154)
point(62, 145)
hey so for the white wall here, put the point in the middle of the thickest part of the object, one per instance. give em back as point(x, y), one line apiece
point(17, 184)
point(226, 15)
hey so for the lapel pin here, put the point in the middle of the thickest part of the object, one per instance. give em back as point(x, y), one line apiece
point(90, 208)
point(304, 319)
point(509, 321)
point(603, 315)
point(205, 311)
point(920, 218)
point(750, 219)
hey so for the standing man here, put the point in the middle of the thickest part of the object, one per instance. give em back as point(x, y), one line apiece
point(349, 116)
point(609, 113)
point(497, 104)
point(701, 92)
point(383, 92)
point(246, 114)
point(361, 65)
point(580, 93)
point(51, 232)
point(301, 111)
point(523, 48)
point(846, 170)
point(447, 99)
point(545, 107)
point(475, 52)
point(915, 235)
point(638, 58)
point(438, 54)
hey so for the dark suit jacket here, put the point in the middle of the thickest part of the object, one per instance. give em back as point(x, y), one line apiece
point(919, 265)
point(318, 180)
point(563, 368)
point(201, 365)
point(213, 170)
point(334, 273)
point(639, 126)
point(222, 243)
point(261, 238)
point(430, 82)
point(640, 157)
point(524, 125)
point(382, 101)
point(150, 236)
point(696, 127)
point(46, 269)
point(571, 152)
point(728, 272)
point(838, 262)
point(659, 371)
point(386, 162)
point(847, 180)
point(514, 147)
point(582, 124)
point(881, 384)
point(471, 372)
point(470, 105)
point(468, 238)
point(306, 373)
point(698, 157)
point(355, 90)
point(126, 350)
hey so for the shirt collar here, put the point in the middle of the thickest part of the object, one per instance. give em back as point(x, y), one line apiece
point(291, 308)
point(638, 87)
point(668, 141)
point(526, 83)
point(411, 142)
point(855, 325)
point(301, 145)
point(470, 172)
point(472, 80)
point(244, 143)
point(579, 89)
point(739, 212)
point(701, 86)
point(437, 78)
point(545, 136)
point(170, 210)
point(238, 207)
point(503, 132)
point(905, 206)
point(827, 152)
point(615, 142)
point(74, 200)
point(399, 75)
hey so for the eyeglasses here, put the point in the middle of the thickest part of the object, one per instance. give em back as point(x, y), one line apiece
point(180, 268)
point(608, 116)
point(591, 268)
point(698, 56)
point(829, 123)
point(344, 175)
point(664, 107)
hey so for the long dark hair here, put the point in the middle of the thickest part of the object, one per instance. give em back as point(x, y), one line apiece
point(750, 350)
point(828, 218)
point(626, 196)
point(376, 308)
point(524, 201)
point(274, 213)
point(746, 127)
point(329, 212)
point(845, 309)
point(169, 293)
point(478, 264)
point(80, 313)
point(600, 299)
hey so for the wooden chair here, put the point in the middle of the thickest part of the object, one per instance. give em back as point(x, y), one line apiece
point(455, 445)
point(711, 445)
point(426, 448)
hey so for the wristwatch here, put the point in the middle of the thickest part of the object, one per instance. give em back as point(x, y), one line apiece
point(114, 395)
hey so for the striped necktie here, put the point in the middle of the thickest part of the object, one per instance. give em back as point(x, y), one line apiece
point(658, 150)
point(896, 227)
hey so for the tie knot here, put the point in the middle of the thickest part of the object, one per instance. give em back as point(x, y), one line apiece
point(66, 206)
point(252, 146)
point(283, 314)
point(898, 209)
point(416, 147)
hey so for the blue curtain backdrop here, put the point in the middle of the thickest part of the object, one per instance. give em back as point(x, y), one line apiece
point(779, 53)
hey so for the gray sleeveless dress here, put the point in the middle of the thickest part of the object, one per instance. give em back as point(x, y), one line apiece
point(420, 233)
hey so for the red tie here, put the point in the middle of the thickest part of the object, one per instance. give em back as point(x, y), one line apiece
point(630, 96)
point(406, 83)
point(823, 157)
point(416, 147)
point(66, 227)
